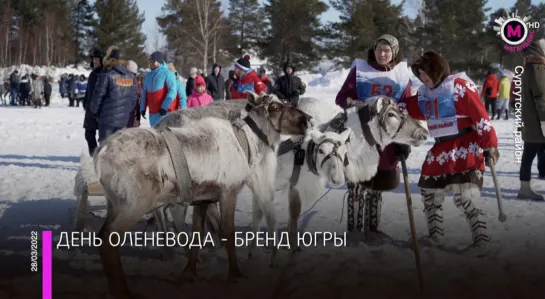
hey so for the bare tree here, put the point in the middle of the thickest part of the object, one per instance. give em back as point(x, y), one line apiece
point(156, 39)
point(203, 27)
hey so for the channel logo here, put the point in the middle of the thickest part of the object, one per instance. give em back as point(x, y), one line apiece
point(515, 31)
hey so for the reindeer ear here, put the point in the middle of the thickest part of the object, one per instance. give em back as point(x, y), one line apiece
point(345, 135)
point(253, 98)
point(316, 136)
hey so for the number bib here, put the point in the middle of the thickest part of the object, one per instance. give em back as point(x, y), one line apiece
point(439, 107)
point(371, 82)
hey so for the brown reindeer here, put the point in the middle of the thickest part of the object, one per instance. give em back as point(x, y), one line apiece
point(136, 172)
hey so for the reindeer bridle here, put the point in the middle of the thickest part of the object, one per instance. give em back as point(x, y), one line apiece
point(313, 149)
point(251, 123)
point(365, 114)
point(334, 152)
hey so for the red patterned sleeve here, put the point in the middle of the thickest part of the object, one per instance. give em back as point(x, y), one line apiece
point(469, 100)
point(410, 106)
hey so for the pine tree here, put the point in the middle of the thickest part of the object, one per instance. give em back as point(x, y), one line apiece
point(294, 34)
point(453, 29)
point(361, 22)
point(246, 17)
point(84, 23)
point(120, 24)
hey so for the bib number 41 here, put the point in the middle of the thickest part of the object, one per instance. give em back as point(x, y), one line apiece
point(377, 89)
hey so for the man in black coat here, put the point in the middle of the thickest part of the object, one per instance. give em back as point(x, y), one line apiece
point(289, 87)
point(47, 91)
point(190, 84)
point(115, 95)
point(215, 83)
point(90, 123)
point(14, 81)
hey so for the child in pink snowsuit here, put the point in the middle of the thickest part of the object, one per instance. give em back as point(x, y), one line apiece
point(199, 97)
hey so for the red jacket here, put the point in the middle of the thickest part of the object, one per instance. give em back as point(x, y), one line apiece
point(493, 84)
point(464, 152)
point(250, 81)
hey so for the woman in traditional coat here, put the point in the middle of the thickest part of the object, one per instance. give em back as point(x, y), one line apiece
point(464, 140)
point(383, 73)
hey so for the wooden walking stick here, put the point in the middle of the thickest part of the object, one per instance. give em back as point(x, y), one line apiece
point(502, 217)
point(413, 227)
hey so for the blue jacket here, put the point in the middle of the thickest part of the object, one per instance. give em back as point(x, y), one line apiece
point(81, 87)
point(115, 94)
point(159, 90)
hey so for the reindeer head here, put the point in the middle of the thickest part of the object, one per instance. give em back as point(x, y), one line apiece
point(329, 155)
point(388, 124)
point(283, 118)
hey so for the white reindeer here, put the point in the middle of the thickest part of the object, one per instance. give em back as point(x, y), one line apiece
point(384, 124)
point(135, 171)
point(323, 157)
point(373, 125)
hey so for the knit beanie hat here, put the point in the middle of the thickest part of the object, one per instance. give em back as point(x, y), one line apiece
point(242, 64)
point(156, 56)
point(199, 81)
point(392, 41)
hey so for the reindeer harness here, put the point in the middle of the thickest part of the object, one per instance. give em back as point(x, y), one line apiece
point(179, 161)
point(336, 125)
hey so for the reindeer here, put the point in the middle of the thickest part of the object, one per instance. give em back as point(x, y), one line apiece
point(371, 125)
point(374, 125)
point(136, 171)
point(305, 170)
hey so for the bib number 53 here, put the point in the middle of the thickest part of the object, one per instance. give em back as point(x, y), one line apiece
point(377, 89)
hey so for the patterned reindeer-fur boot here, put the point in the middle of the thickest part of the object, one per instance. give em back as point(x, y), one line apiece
point(433, 208)
point(355, 207)
point(463, 194)
point(373, 208)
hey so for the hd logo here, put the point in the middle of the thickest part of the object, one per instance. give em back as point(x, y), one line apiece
point(515, 31)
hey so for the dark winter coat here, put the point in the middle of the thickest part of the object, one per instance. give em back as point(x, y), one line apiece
point(14, 79)
point(533, 99)
point(72, 87)
point(115, 94)
point(134, 119)
point(215, 84)
point(24, 87)
point(289, 87)
point(90, 121)
point(189, 85)
point(229, 84)
point(47, 89)
point(62, 85)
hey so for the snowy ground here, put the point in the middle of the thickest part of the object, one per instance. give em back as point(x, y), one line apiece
point(39, 157)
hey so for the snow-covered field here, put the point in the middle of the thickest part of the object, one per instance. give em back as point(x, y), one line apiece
point(39, 157)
